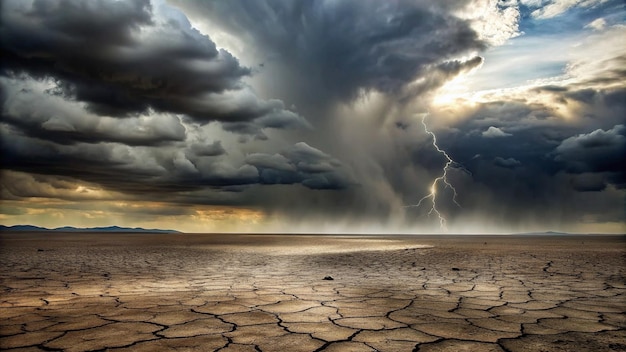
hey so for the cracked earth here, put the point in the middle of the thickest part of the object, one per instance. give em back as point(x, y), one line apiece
point(113, 292)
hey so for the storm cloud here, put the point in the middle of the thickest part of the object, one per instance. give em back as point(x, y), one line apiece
point(348, 47)
point(290, 115)
point(125, 58)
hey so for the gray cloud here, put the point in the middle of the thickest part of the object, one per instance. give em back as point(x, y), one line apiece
point(301, 164)
point(54, 119)
point(349, 46)
point(124, 58)
point(118, 167)
point(148, 171)
point(213, 149)
point(266, 161)
point(114, 94)
point(597, 151)
point(589, 182)
point(277, 119)
point(507, 163)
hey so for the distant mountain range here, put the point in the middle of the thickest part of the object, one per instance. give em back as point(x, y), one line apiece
point(31, 228)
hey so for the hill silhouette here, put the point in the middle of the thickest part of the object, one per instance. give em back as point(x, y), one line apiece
point(113, 229)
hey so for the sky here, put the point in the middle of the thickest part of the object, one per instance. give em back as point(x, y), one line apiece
point(355, 116)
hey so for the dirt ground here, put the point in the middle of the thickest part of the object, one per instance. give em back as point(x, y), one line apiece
point(191, 292)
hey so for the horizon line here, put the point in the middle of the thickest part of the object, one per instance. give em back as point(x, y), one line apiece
point(8, 228)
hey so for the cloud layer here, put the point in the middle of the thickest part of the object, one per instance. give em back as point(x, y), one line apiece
point(283, 115)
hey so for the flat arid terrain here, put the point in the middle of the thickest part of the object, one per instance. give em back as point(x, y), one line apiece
point(191, 292)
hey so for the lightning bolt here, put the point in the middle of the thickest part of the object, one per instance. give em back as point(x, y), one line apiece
point(443, 179)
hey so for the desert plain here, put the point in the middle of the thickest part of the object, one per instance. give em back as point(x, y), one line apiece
point(224, 292)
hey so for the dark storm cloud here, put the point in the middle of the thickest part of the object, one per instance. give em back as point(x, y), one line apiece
point(114, 93)
point(590, 182)
point(597, 151)
point(549, 158)
point(539, 140)
point(276, 119)
point(613, 98)
point(349, 46)
point(530, 134)
point(124, 58)
point(51, 118)
point(151, 173)
point(325, 56)
point(515, 178)
point(132, 170)
point(507, 163)
point(301, 164)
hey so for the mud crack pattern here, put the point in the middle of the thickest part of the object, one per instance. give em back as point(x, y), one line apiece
point(267, 293)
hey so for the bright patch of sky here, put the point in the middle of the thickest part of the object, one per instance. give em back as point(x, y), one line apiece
point(549, 31)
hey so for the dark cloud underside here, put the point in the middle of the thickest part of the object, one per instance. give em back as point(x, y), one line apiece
point(122, 60)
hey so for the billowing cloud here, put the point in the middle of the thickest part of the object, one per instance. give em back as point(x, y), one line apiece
point(494, 132)
point(300, 164)
point(598, 151)
point(125, 58)
point(55, 119)
point(133, 99)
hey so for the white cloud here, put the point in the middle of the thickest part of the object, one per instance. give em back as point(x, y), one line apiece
point(598, 24)
point(557, 7)
point(532, 3)
point(494, 22)
point(495, 132)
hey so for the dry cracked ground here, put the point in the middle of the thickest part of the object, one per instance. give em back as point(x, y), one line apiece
point(97, 292)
